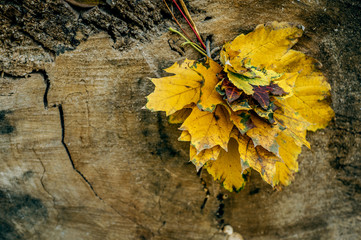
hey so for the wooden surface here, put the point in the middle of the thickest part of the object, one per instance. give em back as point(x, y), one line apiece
point(81, 159)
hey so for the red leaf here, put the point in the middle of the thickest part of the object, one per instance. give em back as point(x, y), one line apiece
point(232, 92)
point(261, 95)
point(277, 90)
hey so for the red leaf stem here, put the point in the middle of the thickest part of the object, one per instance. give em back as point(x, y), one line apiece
point(184, 16)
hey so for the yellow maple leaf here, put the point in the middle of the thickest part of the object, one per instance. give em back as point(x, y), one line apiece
point(311, 90)
point(208, 129)
point(265, 45)
point(227, 168)
point(264, 134)
point(288, 151)
point(257, 158)
point(245, 83)
point(295, 125)
point(209, 96)
point(283, 175)
point(242, 120)
point(199, 159)
point(185, 137)
point(266, 114)
point(175, 92)
point(242, 82)
point(180, 116)
point(286, 82)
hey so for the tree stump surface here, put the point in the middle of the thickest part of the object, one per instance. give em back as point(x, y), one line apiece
point(81, 159)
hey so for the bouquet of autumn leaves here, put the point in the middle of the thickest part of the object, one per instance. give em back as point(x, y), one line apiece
point(250, 112)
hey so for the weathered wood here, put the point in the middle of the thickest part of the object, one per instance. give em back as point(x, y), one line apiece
point(81, 159)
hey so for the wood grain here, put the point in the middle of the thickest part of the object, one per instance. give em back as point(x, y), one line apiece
point(81, 159)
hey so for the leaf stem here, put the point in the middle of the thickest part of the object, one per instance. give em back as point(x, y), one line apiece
point(175, 31)
point(175, 19)
point(194, 45)
point(198, 37)
point(186, 12)
point(208, 49)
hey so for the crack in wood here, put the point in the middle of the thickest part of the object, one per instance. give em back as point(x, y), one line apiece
point(45, 76)
point(43, 185)
point(47, 83)
point(9, 75)
point(205, 189)
point(133, 220)
point(174, 47)
point(220, 210)
point(61, 113)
